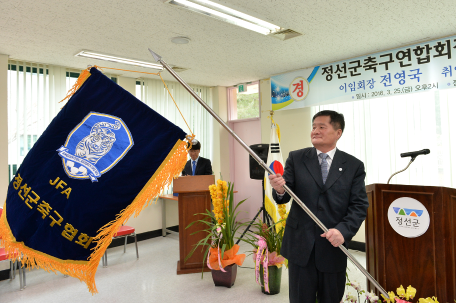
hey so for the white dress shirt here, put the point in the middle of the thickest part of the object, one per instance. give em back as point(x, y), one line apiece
point(328, 159)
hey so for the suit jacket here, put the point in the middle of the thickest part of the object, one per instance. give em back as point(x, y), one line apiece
point(340, 203)
point(203, 167)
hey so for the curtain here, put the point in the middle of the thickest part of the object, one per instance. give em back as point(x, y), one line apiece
point(34, 92)
point(378, 130)
point(153, 93)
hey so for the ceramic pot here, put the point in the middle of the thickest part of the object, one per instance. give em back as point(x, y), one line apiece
point(275, 279)
point(225, 278)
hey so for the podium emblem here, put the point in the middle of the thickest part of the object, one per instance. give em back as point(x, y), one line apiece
point(408, 217)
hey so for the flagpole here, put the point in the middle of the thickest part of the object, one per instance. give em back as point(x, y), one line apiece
point(258, 159)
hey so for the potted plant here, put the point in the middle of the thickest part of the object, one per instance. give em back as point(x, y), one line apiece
point(267, 241)
point(221, 253)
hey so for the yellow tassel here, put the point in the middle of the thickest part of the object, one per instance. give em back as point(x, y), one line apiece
point(277, 127)
point(85, 270)
point(79, 82)
point(278, 131)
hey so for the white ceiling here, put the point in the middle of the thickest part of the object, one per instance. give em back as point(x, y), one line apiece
point(53, 31)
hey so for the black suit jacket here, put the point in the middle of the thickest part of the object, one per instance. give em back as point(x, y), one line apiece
point(203, 167)
point(340, 203)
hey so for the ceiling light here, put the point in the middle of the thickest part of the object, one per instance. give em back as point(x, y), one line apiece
point(180, 40)
point(99, 56)
point(226, 14)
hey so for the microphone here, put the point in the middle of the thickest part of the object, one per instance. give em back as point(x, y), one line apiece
point(414, 154)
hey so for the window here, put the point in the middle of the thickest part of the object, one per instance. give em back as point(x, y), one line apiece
point(244, 105)
point(377, 131)
point(153, 93)
point(31, 139)
point(34, 92)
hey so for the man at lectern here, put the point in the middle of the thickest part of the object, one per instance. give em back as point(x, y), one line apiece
point(197, 165)
point(331, 184)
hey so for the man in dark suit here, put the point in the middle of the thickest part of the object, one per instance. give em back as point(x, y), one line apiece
point(331, 184)
point(197, 165)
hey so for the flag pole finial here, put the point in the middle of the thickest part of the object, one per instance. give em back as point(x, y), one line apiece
point(155, 55)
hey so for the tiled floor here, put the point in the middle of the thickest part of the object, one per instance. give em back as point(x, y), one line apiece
point(151, 278)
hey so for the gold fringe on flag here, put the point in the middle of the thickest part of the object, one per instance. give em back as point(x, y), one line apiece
point(85, 271)
point(79, 82)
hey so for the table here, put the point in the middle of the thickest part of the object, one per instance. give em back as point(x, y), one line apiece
point(164, 198)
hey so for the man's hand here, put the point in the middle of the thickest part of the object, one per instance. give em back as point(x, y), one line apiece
point(277, 182)
point(334, 236)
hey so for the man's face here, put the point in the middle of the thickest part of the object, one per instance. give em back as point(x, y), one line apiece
point(323, 135)
point(194, 154)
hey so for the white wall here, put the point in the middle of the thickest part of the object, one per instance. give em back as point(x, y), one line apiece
point(221, 155)
point(129, 84)
point(3, 127)
point(3, 135)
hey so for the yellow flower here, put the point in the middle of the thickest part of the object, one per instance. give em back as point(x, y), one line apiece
point(219, 192)
point(391, 297)
point(401, 291)
point(428, 300)
point(411, 292)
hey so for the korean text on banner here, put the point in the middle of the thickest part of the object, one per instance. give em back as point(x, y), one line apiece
point(411, 69)
point(102, 159)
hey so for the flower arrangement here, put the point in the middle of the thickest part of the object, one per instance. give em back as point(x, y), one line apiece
point(267, 241)
point(403, 295)
point(269, 238)
point(370, 296)
point(221, 227)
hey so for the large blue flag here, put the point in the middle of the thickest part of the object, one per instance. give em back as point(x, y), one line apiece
point(102, 159)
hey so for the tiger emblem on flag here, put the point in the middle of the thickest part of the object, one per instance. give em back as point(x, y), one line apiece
point(88, 151)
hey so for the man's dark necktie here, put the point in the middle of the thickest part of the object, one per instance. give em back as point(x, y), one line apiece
point(324, 166)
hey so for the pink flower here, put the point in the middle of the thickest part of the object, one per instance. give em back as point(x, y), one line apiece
point(261, 242)
point(355, 285)
point(273, 259)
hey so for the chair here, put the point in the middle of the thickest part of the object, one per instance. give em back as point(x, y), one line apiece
point(124, 231)
point(13, 265)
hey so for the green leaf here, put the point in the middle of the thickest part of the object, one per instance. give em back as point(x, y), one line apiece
point(223, 250)
point(204, 259)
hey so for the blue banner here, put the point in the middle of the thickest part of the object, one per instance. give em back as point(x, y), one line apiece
point(102, 159)
point(412, 69)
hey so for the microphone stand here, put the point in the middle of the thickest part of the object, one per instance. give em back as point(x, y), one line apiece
point(413, 159)
point(266, 216)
